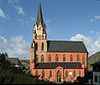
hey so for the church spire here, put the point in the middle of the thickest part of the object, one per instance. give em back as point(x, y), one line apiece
point(39, 16)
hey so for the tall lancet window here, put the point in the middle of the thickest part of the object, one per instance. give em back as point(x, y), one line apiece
point(50, 74)
point(66, 73)
point(36, 46)
point(78, 57)
point(43, 74)
point(42, 46)
point(36, 73)
point(71, 57)
point(74, 73)
point(57, 57)
point(42, 58)
point(64, 57)
point(83, 60)
point(36, 58)
point(49, 57)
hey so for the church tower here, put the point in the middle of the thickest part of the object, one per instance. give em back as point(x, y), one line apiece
point(38, 48)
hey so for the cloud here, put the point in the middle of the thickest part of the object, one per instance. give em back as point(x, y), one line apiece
point(95, 18)
point(97, 43)
point(12, 1)
point(17, 47)
point(20, 10)
point(92, 46)
point(3, 44)
point(23, 22)
point(2, 14)
point(32, 18)
point(91, 32)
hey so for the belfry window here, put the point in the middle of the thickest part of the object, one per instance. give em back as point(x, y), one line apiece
point(42, 58)
point(42, 46)
point(36, 46)
point(56, 57)
point(71, 57)
point(43, 74)
point(78, 58)
point(50, 73)
point(49, 57)
point(64, 57)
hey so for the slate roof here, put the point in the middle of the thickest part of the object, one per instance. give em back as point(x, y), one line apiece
point(39, 16)
point(97, 63)
point(15, 61)
point(66, 46)
point(53, 65)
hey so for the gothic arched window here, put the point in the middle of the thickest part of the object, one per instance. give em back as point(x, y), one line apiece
point(36, 73)
point(74, 73)
point(42, 46)
point(64, 57)
point(36, 58)
point(43, 74)
point(56, 57)
point(49, 57)
point(36, 46)
point(71, 57)
point(50, 73)
point(78, 58)
point(66, 73)
point(42, 58)
point(83, 60)
point(79, 73)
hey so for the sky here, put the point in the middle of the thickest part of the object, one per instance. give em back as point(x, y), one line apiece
point(75, 20)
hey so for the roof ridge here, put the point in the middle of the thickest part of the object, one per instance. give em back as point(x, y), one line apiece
point(63, 41)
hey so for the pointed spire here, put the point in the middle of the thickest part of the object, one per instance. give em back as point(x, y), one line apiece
point(39, 16)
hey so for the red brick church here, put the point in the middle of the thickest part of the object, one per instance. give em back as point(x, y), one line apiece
point(56, 60)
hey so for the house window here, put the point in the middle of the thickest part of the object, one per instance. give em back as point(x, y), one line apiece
point(71, 57)
point(42, 58)
point(79, 73)
point(83, 59)
point(42, 46)
point(56, 57)
point(64, 57)
point(96, 78)
point(66, 73)
point(50, 73)
point(36, 73)
point(74, 73)
point(36, 46)
point(49, 57)
point(43, 74)
point(78, 58)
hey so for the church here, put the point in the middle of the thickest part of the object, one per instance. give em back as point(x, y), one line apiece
point(53, 60)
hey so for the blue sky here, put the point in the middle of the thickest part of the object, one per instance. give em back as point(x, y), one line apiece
point(65, 20)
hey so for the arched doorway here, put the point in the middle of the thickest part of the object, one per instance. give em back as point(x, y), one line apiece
point(58, 76)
